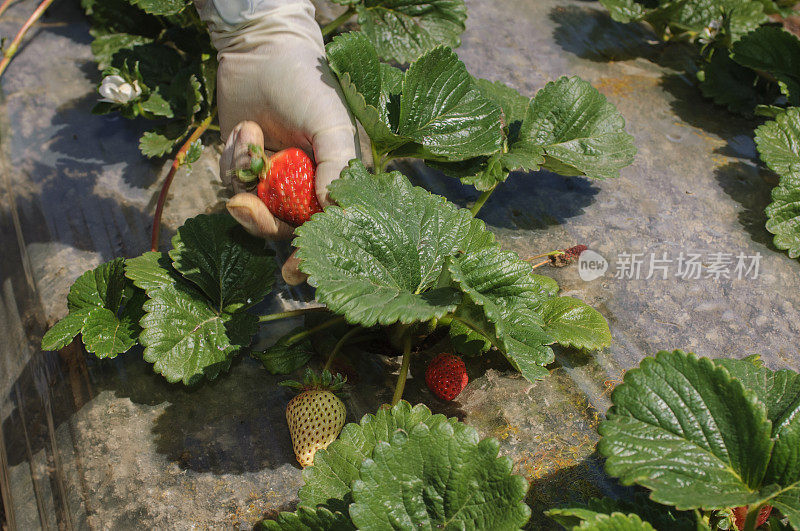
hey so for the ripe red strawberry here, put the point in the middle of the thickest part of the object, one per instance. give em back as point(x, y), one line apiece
point(740, 516)
point(288, 186)
point(446, 376)
point(316, 416)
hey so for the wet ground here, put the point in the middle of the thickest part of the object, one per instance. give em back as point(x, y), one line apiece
point(109, 444)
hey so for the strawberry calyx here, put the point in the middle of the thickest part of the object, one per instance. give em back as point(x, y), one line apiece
point(259, 165)
point(324, 381)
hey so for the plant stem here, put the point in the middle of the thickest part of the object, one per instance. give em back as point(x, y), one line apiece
point(339, 345)
point(5, 6)
point(11, 51)
point(338, 21)
point(305, 333)
point(376, 158)
point(291, 313)
point(401, 378)
point(180, 157)
point(551, 253)
point(481, 201)
point(540, 264)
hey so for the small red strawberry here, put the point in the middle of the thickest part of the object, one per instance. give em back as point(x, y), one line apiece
point(316, 416)
point(446, 376)
point(287, 186)
point(740, 516)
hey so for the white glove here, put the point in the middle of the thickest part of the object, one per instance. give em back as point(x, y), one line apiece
point(274, 89)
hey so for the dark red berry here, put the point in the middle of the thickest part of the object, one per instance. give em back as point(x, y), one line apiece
point(446, 376)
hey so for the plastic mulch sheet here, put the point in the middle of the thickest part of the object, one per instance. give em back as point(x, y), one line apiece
point(89, 443)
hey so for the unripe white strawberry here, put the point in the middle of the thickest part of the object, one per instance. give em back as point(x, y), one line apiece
point(316, 416)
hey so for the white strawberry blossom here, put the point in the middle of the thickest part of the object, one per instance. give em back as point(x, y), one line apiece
point(114, 89)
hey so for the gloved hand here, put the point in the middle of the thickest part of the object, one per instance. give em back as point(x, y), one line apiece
point(274, 89)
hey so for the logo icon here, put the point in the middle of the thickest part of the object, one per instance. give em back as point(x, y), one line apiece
point(591, 265)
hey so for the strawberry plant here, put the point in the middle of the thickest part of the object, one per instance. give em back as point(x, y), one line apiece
point(388, 259)
point(187, 308)
point(388, 254)
point(778, 144)
point(750, 66)
point(158, 64)
point(481, 130)
point(717, 437)
point(163, 48)
point(407, 468)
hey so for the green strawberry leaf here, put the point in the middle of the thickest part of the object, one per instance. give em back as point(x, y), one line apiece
point(487, 171)
point(778, 144)
point(306, 519)
point(441, 109)
point(336, 467)
point(436, 477)
point(568, 128)
point(601, 521)
point(151, 271)
point(233, 268)
point(433, 111)
point(196, 100)
point(577, 130)
point(119, 16)
point(155, 144)
point(783, 215)
point(624, 11)
point(466, 341)
point(194, 322)
point(64, 331)
point(105, 334)
point(659, 516)
point(186, 339)
point(484, 173)
point(519, 336)
point(156, 105)
point(104, 308)
point(503, 301)
point(737, 17)
point(574, 323)
point(367, 86)
point(377, 256)
point(775, 51)
point(788, 503)
point(402, 30)
point(514, 104)
point(281, 358)
point(779, 391)
point(105, 46)
point(730, 84)
point(208, 75)
point(161, 7)
point(685, 429)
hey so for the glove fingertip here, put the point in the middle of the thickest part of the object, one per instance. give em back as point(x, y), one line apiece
point(290, 271)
